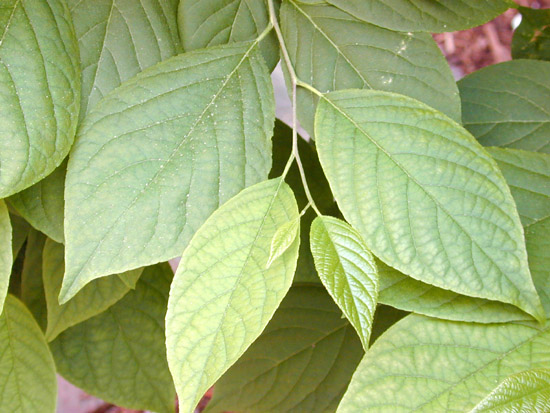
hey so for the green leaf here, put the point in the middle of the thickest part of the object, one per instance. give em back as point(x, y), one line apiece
point(119, 355)
point(118, 39)
point(424, 195)
point(39, 90)
point(27, 370)
point(42, 204)
point(312, 350)
point(508, 104)
point(6, 254)
point(332, 50)
point(93, 299)
point(425, 15)
point(283, 239)
point(532, 37)
point(223, 295)
point(20, 231)
point(32, 287)
point(159, 154)
point(429, 365)
point(348, 271)
point(207, 23)
point(528, 391)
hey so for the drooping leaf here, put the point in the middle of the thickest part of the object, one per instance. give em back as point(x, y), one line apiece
point(206, 23)
point(42, 204)
point(508, 104)
point(223, 295)
point(6, 253)
point(528, 391)
point(159, 154)
point(93, 299)
point(332, 50)
point(118, 39)
point(425, 15)
point(39, 90)
point(119, 355)
point(284, 237)
point(532, 37)
point(424, 195)
point(348, 271)
point(312, 350)
point(32, 287)
point(20, 231)
point(27, 370)
point(424, 364)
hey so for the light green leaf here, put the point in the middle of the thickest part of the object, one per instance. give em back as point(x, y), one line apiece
point(207, 23)
point(32, 287)
point(6, 254)
point(39, 90)
point(425, 15)
point(42, 204)
point(223, 295)
point(528, 391)
point(508, 104)
point(348, 271)
point(19, 233)
point(283, 239)
point(312, 350)
point(532, 37)
point(159, 154)
point(93, 299)
point(119, 355)
point(118, 39)
point(27, 370)
point(424, 195)
point(331, 50)
point(428, 365)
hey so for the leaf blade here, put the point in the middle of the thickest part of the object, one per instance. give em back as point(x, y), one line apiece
point(6, 256)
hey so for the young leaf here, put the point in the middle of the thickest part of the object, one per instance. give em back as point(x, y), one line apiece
point(348, 271)
point(42, 204)
point(118, 39)
point(32, 287)
point(40, 90)
point(93, 299)
point(532, 37)
point(424, 195)
point(508, 104)
point(223, 295)
point(425, 15)
point(424, 364)
point(283, 238)
point(528, 391)
point(119, 355)
point(332, 50)
point(6, 254)
point(207, 23)
point(312, 350)
point(159, 154)
point(27, 370)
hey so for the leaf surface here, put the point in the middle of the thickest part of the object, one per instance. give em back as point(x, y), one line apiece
point(348, 271)
point(119, 355)
point(39, 90)
point(426, 365)
point(532, 37)
point(508, 104)
point(223, 295)
point(32, 287)
point(332, 50)
point(424, 195)
point(19, 233)
point(6, 254)
point(27, 370)
point(160, 154)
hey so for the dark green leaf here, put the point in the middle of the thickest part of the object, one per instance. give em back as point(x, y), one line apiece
point(532, 37)
point(32, 287)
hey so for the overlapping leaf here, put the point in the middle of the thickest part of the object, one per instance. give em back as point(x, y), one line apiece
point(425, 196)
point(20, 231)
point(312, 350)
point(332, 50)
point(39, 90)
point(423, 364)
point(119, 355)
point(27, 370)
point(223, 295)
point(508, 104)
point(6, 254)
point(532, 37)
point(32, 287)
point(158, 155)
point(348, 271)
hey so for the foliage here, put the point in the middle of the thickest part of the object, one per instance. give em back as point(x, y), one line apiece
point(416, 215)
